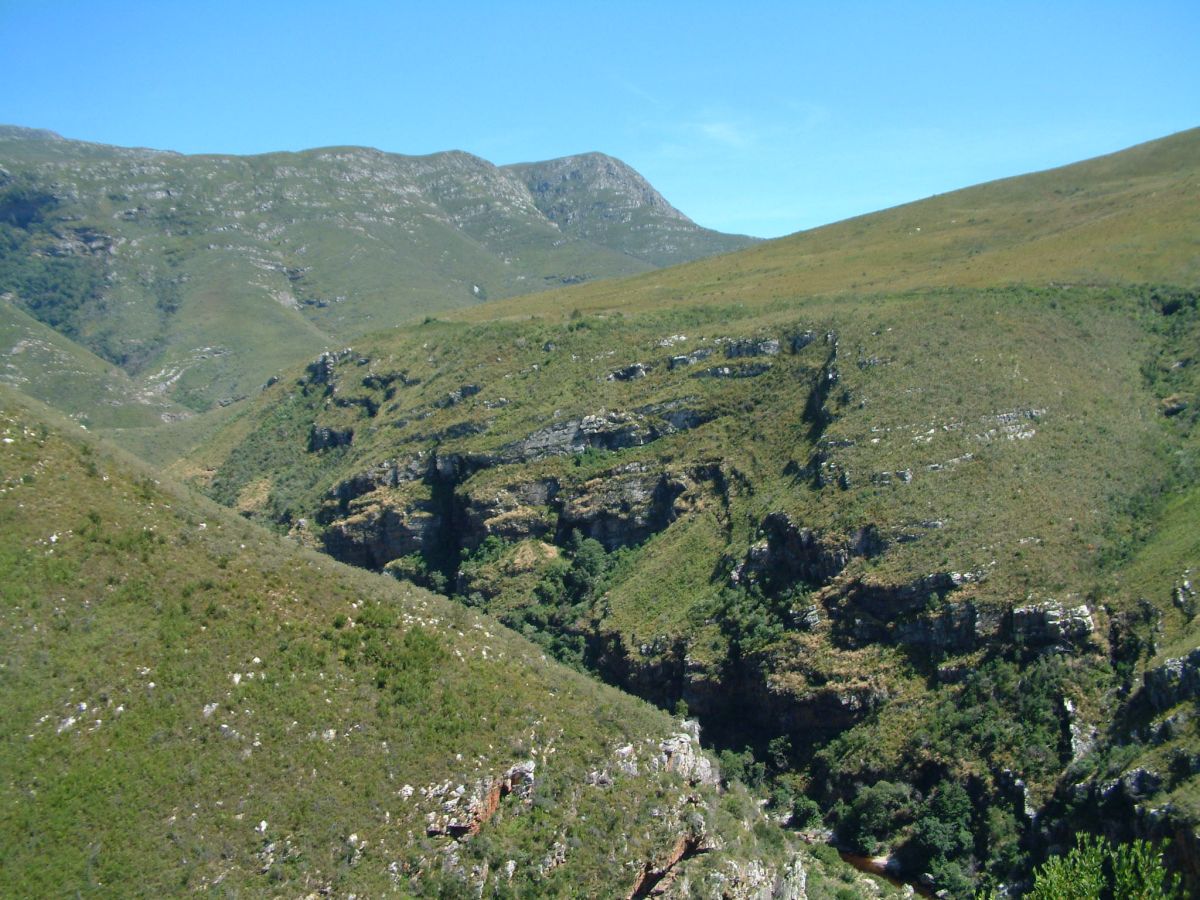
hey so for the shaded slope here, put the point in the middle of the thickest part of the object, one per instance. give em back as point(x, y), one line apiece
point(43, 364)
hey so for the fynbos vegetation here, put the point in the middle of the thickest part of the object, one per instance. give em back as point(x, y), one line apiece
point(903, 512)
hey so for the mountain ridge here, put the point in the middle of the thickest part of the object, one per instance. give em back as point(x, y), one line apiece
point(307, 248)
point(1132, 221)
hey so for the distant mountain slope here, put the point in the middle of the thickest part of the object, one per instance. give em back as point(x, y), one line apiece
point(203, 274)
point(597, 198)
point(54, 369)
point(1131, 216)
point(191, 704)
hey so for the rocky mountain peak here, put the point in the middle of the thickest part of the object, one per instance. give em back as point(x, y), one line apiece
point(20, 133)
point(589, 185)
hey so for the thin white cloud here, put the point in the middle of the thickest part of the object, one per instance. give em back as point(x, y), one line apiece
point(727, 133)
point(637, 90)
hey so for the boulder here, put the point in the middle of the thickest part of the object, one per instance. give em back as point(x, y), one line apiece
point(1051, 623)
point(321, 438)
point(751, 347)
point(630, 372)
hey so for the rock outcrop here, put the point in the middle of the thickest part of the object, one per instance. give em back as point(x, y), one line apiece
point(747, 879)
point(623, 506)
point(791, 554)
point(799, 341)
point(514, 512)
point(600, 431)
point(915, 613)
point(383, 532)
point(689, 359)
point(751, 347)
point(1175, 681)
point(457, 396)
point(427, 503)
point(752, 370)
point(1051, 623)
point(463, 810)
point(630, 373)
point(681, 754)
point(656, 876)
point(323, 438)
point(321, 371)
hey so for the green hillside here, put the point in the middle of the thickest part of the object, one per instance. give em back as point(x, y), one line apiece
point(199, 276)
point(195, 705)
point(42, 363)
point(1127, 217)
point(904, 505)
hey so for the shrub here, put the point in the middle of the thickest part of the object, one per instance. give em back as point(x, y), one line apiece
point(805, 812)
point(943, 829)
point(1095, 868)
point(874, 816)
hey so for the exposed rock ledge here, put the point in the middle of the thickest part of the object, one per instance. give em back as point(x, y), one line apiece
point(1176, 680)
point(465, 810)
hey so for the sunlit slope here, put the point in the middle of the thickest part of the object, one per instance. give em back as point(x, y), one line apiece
point(1132, 216)
point(925, 529)
point(192, 704)
point(897, 531)
point(961, 426)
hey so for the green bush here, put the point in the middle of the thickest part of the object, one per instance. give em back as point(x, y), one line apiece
point(805, 813)
point(1096, 869)
point(943, 828)
point(874, 816)
point(742, 767)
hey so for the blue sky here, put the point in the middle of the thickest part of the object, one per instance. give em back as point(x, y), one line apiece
point(763, 118)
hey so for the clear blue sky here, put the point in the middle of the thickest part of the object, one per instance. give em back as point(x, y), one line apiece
point(754, 117)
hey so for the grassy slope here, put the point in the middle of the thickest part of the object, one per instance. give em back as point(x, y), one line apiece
point(949, 359)
point(1127, 217)
point(172, 677)
point(44, 364)
point(949, 365)
point(1004, 354)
